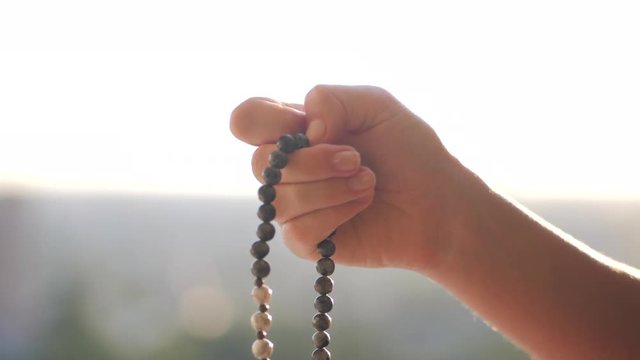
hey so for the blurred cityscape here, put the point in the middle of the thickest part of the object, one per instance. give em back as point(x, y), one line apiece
point(135, 277)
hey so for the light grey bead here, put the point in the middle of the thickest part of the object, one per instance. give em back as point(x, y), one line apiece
point(261, 321)
point(262, 349)
point(262, 294)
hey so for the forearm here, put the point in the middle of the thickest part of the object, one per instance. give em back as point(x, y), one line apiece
point(550, 294)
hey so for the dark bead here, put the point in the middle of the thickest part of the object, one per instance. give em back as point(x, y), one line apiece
point(326, 248)
point(266, 231)
point(259, 249)
point(301, 140)
point(260, 268)
point(321, 339)
point(266, 212)
point(323, 303)
point(325, 266)
point(271, 175)
point(321, 322)
point(321, 354)
point(258, 282)
point(261, 335)
point(278, 159)
point(266, 193)
point(324, 285)
point(263, 307)
point(287, 144)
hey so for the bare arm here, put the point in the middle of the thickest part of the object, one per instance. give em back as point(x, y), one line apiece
point(551, 294)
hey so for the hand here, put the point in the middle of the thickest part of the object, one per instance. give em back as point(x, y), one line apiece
point(375, 171)
point(428, 213)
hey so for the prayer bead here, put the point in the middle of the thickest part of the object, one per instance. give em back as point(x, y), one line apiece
point(278, 159)
point(259, 249)
point(261, 321)
point(266, 212)
point(266, 231)
point(271, 175)
point(287, 144)
point(325, 266)
point(321, 322)
point(262, 294)
point(301, 140)
point(321, 339)
point(326, 248)
point(321, 354)
point(262, 349)
point(323, 285)
point(323, 303)
point(260, 269)
point(266, 193)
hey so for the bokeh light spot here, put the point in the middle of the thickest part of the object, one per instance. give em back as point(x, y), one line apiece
point(205, 312)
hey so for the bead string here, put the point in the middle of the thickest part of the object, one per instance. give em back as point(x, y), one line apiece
point(262, 347)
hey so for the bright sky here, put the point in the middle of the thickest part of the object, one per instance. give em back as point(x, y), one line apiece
point(540, 98)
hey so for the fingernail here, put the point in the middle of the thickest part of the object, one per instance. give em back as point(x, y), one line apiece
point(315, 131)
point(346, 160)
point(362, 181)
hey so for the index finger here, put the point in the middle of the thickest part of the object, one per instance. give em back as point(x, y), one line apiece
point(259, 121)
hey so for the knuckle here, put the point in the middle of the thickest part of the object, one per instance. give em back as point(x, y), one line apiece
point(378, 92)
point(319, 93)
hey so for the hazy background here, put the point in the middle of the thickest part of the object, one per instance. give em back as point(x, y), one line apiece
point(127, 209)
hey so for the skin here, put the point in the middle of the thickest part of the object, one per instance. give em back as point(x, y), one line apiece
point(418, 208)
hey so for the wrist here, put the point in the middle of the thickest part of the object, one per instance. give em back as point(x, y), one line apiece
point(465, 202)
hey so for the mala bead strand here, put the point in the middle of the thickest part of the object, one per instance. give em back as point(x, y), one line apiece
point(262, 347)
point(324, 303)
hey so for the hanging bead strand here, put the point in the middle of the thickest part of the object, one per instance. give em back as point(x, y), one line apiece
point(324, 303)
point(262, 347)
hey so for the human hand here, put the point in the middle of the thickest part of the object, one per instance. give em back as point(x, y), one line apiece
point(375, 171)
point(424, 211)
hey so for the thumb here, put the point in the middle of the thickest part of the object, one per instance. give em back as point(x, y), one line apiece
point(335, 110)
